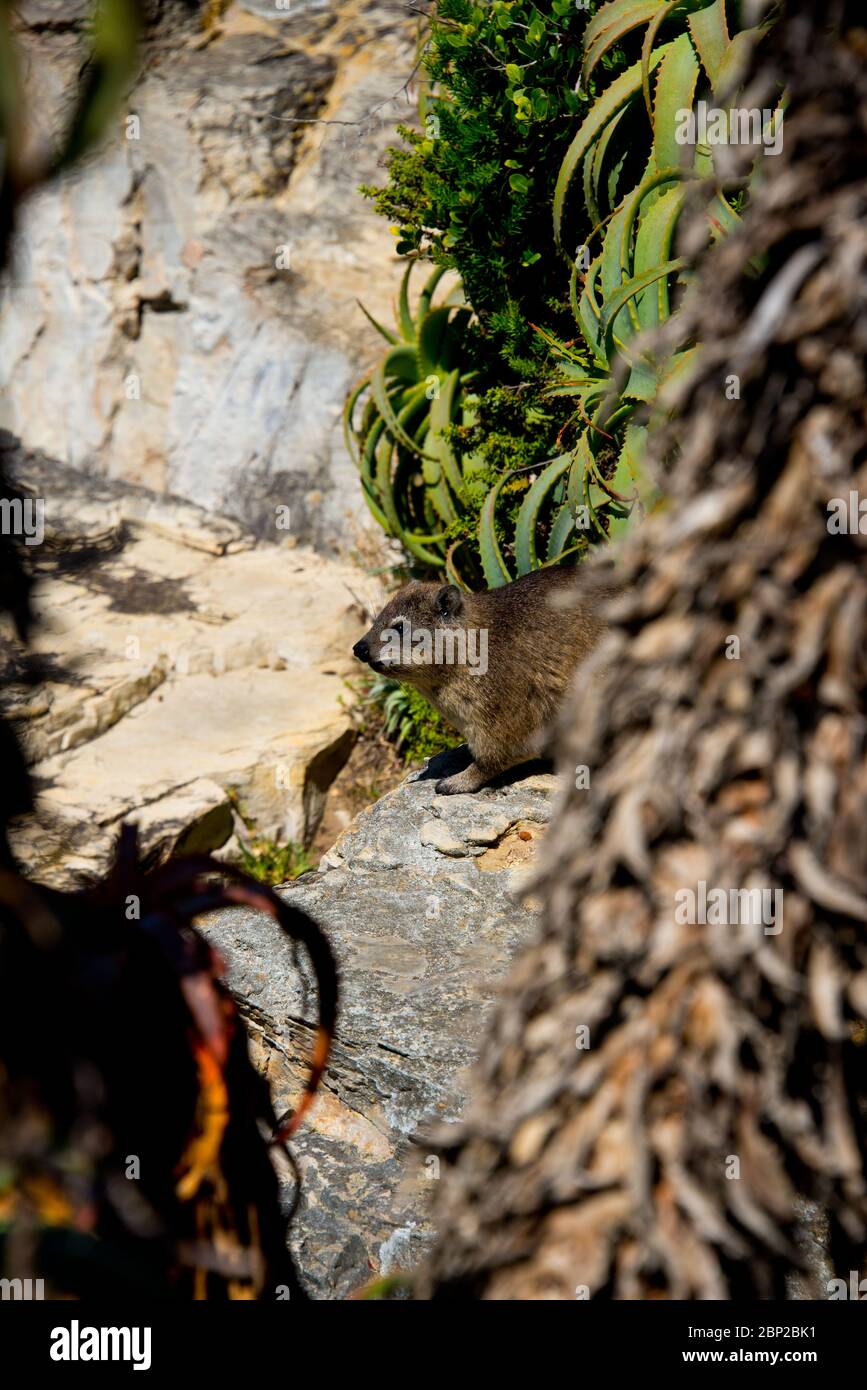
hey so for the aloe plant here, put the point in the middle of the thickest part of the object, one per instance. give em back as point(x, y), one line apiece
point(412, 481)
point(631, 282)
point(626, 169)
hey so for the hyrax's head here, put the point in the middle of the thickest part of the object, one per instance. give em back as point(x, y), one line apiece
point(420, 635)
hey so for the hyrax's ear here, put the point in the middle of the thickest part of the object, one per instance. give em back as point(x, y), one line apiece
point(449, 601)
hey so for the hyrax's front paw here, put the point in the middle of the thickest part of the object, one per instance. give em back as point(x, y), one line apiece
point(470, 780)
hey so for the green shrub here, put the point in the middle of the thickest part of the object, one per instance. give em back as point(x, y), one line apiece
point(417, 728)
point(473, 189)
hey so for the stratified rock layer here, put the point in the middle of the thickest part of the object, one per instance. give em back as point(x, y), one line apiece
point(187, 671)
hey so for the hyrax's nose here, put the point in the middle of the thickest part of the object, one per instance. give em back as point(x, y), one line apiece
point(361, 650)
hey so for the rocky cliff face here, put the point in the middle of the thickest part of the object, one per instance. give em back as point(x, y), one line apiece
point(197, 281)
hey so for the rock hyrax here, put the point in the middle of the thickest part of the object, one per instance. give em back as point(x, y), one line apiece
point(495, 664)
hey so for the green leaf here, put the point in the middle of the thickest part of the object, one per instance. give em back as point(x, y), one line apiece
point(630, 289)
point(598, 165)
point(652, 248)
point(642, 383)
point(440, 417)
point(675, 91)
point(610, 24)
point(622, 90)
point(561, 530)
point(663, 12)
point(385, 332)
point(528, 516)
point(388, 413)
point(615, 259)
point(710, 35)
point(735, 62)
point(430, 284)
point(400, 362)
point(493, 565)
point(625, 484)
point(407, 326)
point(432, 341)
point(589, 314)
point(349, 436)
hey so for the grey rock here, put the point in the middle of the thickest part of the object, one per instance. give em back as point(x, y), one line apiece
point(438, 836)
point(421, 939)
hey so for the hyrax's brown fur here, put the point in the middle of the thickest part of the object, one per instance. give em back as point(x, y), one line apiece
point(538, 631)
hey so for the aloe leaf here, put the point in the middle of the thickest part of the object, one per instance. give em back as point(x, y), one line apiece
point(376, 512)
point(432, 338)
point(388, 413)
point(653, 244)
point(709, 30)
point(430, 284)
point(494, 566)
point(722, 216)
point(368, 455)
point(385, 489)
point(609, 25)
point(400, 362)
point(407, 325)
point(528, 516)
point(434, 477)
point(451, 570)
point(369, 483)
point(734, 63)
point(598, 164)
point(642, 383)
point(440, 418)
point(350, 437)
point(590, 315)
point(677, 371)
point(590, 202)
point(625, 483)
point(675, 91)
point(614, 259)
point(561, 530)
point(633, 287)
point(622, 90)
point(592, 510)
point(663, 10)
point(386, 333)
